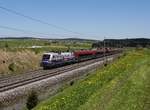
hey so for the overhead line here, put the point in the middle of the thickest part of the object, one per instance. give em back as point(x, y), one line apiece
point(38, 20)
point(27, 31)
point(19, 30)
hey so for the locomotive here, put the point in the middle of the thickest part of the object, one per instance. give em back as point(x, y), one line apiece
point(51, 59)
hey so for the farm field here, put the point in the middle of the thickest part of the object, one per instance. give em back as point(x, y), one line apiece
point(123, 85)
point(41, 45)
point(22, 55)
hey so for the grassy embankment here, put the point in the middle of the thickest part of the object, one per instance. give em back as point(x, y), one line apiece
point(18, 62)
point(124, 85)
point(18, 55)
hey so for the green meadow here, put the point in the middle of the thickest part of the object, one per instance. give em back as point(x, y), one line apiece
point(42, 45)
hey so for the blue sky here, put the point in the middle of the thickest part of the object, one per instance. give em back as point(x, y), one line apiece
point(92, 18)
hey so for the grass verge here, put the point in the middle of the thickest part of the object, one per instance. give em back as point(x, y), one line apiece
point(124, 85)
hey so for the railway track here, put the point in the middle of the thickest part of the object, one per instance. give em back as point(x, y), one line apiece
point(8, 83)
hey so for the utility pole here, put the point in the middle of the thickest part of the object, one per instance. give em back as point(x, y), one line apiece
point(104, 46)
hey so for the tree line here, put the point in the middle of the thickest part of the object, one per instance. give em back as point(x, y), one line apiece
point(120, 43)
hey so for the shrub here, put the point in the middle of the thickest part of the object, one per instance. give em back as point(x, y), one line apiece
point(32, 100)
point(105, 64)
point(71, 83)
point(6, 45)
point(11, 67)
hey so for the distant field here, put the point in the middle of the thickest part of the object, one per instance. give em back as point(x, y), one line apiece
point(124, 85)
point(40, 45)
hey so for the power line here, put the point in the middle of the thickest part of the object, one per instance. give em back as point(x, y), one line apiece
point(28, 32)
point(19, 30)
point(38, 20)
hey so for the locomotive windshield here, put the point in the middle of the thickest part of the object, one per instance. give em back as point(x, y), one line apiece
point(46, 57)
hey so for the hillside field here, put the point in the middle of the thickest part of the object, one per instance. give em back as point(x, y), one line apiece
point(123, 85)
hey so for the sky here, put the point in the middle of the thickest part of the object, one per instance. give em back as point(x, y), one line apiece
point(88, 19)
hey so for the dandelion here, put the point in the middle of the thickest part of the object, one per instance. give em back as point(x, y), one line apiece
point(89, 82)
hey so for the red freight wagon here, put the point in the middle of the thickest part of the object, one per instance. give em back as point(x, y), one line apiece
point(83, 55)
point(99, 53)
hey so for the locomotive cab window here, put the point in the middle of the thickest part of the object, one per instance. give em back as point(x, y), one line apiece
point(46, 57)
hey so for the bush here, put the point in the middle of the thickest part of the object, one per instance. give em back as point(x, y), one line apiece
point(11, 67)
point(32, 100)
point(71, 83)
point(6, 45)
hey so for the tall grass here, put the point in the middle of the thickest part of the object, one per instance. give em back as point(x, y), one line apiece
point(18, 62)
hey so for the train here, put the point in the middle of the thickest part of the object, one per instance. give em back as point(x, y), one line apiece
point(53, 59)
